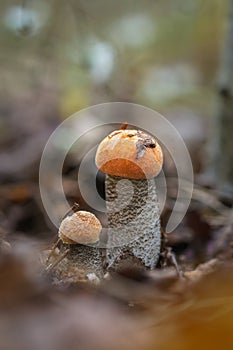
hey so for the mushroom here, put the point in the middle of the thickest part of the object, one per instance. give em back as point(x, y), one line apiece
point(78, 238)
point(131, 159)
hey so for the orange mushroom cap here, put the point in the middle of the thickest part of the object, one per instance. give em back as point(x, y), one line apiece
point(130, 154)
point(82, 227)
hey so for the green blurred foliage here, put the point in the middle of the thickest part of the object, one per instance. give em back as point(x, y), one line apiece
point(163, 53)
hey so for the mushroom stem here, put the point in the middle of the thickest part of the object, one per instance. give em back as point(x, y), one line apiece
point(77, 261)
point(87, 258)
point(133, 221)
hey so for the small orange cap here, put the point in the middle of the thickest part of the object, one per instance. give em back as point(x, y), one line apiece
point(82, 227)
point(130, 154)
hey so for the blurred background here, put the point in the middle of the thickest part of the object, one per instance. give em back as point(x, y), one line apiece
point(58, 57)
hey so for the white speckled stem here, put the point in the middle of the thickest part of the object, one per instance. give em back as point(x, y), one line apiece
point(134, 229)
point(83, 258)
point(89, 258)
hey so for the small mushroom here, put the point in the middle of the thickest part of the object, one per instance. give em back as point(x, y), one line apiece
point(132, 204)
point(78, 240)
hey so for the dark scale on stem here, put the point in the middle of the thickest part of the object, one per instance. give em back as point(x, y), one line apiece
point(135, 229)
point(76, 261)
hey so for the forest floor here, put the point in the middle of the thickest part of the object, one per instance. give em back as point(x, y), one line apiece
point(187, 301)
